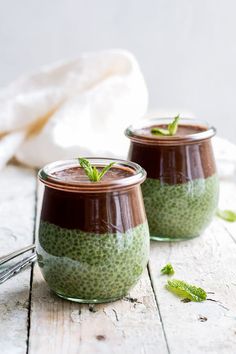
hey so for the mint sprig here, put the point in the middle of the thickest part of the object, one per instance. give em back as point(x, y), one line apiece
point(171, 128)
point(167, 269)
point(186, 291)
point(227, 215)
point(92, 172)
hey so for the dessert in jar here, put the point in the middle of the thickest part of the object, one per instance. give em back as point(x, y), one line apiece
point(93, 238)
point(181, 189)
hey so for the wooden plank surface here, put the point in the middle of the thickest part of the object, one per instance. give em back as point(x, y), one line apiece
point(144, 322)
point(131, 325)
point(228, 201)
point(17, 201)
point(208, 261)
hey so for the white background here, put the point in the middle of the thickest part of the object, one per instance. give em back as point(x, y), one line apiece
point(186, 48)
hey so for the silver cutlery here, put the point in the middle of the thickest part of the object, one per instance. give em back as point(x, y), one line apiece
point(20, 265)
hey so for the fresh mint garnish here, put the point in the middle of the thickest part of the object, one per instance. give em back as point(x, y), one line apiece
point(92, 172)
point(186, 291)
point(171, 128)
point(160, 131)
point(227, 215)
point(168, 269)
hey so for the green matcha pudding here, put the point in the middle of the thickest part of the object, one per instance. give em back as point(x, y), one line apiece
point(93, 238)
point(181, 189)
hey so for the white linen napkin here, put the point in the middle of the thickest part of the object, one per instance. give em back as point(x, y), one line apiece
point(72, 108)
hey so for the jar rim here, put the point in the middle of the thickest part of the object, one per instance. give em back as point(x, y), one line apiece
point(132, 132)
point(45, 175)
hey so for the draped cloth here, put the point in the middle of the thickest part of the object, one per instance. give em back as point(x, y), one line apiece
point(72, 108)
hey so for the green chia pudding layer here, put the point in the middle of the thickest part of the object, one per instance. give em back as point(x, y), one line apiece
point(180, 211)
point(84, 265)
point(181, 189)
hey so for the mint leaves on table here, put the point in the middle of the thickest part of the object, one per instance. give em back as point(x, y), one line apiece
point(182, 289)
point(227, 215)
point(186, 291)
point(92, 172)
point(168, 269)
point(171, 128)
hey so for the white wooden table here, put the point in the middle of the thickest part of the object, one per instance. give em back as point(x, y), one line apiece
point(149, 320)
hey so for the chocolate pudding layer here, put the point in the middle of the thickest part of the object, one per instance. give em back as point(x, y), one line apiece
point(174, 164)
point(113, 211)
point(181, 189)
point(183, 131)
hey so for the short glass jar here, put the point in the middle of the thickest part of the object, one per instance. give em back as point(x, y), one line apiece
point(181, 189)
point(93, 238)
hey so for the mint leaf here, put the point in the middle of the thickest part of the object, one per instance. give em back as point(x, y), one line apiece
point(171, 128)
point(92, 172)
point(160, 131)
point(227, 215)
point(168, 269)
point(95, 174)
point(186, 291)
point(88, 168)
point(105, 169)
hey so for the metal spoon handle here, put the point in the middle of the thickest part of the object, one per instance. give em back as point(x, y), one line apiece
point(18, 267)
point(12, 255)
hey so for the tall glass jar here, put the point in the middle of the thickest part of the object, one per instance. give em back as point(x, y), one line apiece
point(93, 238)
point(181, 189)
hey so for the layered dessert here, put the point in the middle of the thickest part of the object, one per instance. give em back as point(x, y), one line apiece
point(181, 189)
point(93, 241)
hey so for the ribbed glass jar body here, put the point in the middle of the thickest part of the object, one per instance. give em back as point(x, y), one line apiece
point(181, 189)
point(93, 238)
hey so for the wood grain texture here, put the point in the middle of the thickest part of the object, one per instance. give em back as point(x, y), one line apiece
point(208, 261)
point(228, 201)
point(17, 201)
point(130, 325)
point(144, 322)
point(126, 326)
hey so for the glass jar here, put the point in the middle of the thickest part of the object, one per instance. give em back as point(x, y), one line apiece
point(181, 189)
point(93, 238)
